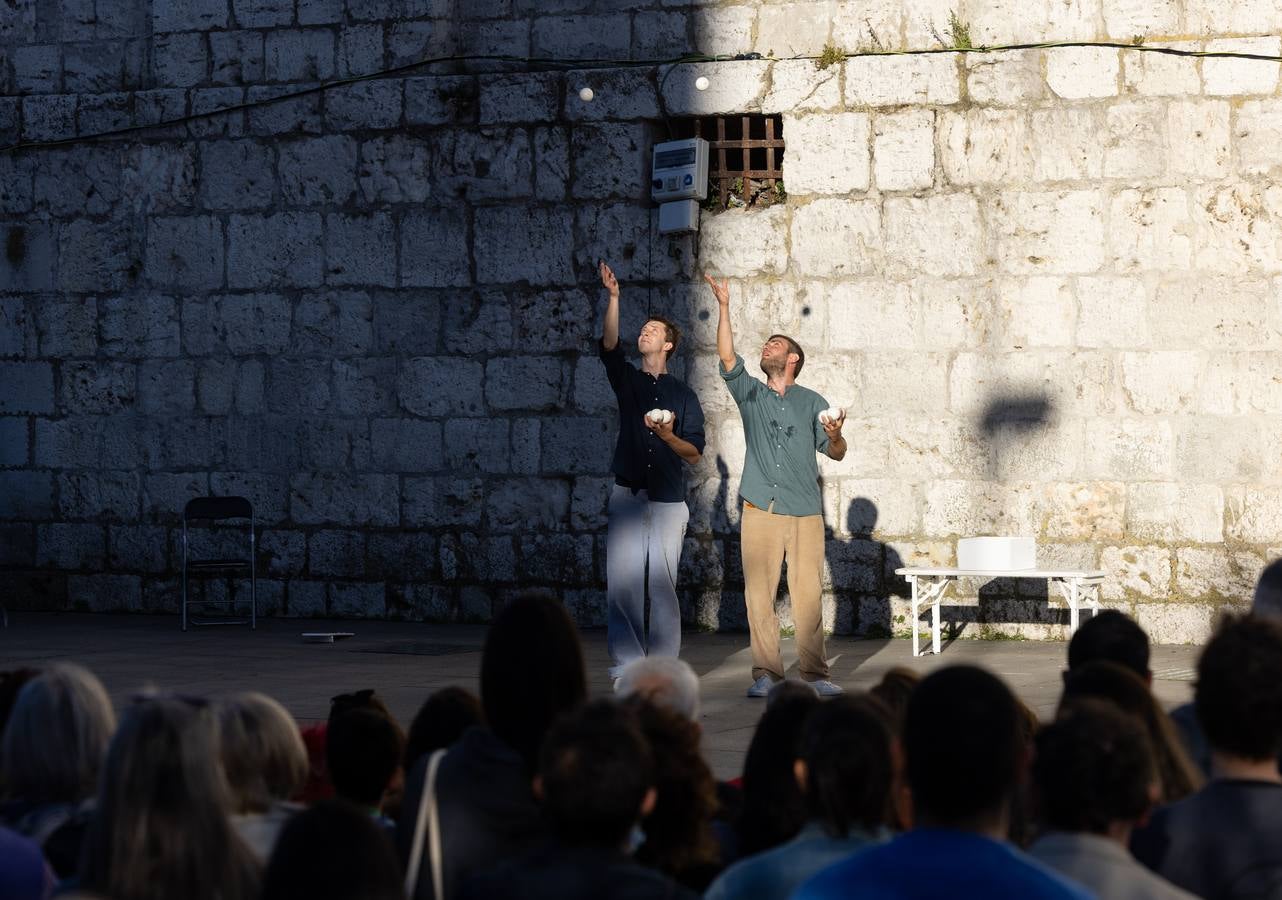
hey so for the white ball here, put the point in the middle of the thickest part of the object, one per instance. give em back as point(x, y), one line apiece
point(655, 415)
point(586, 95)
point(666, 416)
point(701, 83)
point(831, 414)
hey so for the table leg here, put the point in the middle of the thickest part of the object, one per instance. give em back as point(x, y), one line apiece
point(934, 617)
point(916, 601)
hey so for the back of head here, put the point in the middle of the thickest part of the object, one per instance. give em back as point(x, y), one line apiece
point(594, 770)
point(846, 748)
point(1094, 767)
point(1114, 636)
point(1238, 695)
point(531, 672)
point(894, 689)
point(1267, 601)
point(333, 850)
point(56, 737)
point(774, 808)
point(663, 680)
point(962, 719)
point(1120, 686)
point(363, 750)
point(262, 752)
point(161, 827)
point(441, 721)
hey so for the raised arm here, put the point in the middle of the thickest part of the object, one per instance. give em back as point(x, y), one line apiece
point(725, 337)
point(610, 328)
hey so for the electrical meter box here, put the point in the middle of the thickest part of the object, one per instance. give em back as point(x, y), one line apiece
point(680, 170)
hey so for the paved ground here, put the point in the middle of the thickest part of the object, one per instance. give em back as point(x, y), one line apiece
point(406, 662)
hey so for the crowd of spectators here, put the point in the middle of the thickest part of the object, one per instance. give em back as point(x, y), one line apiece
point(939, 786)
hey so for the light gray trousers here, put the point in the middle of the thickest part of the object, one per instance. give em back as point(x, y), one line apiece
point(643, 550)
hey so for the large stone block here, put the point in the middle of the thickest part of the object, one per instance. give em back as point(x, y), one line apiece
point(139, 326)
point(870, 315)
point(179, 60)
point(526, 383)
point(828, 153)
point(1161, 381)
point(406, 324)
point(1217, 573)
point(322, 498)
point(274, 113)
point(1165, 511)
point(984, 146)
point(1160, 74)
point(1010, 78)
point(611, 160)
point(553, 320)
point(1257, 134)
point(1227, 77)
point(406, 445)
point(1036, 312)
point(1087, 511)
point(299, 55)
point(525, 505)
point(338, 323)
point(319, 171)
point(1198, 135)
point(871, 506)
point(558, 559)
point(236, 57)
point(360, 50)
point(1150, 229)
point(444, 503)
point(977, 507)
point(439, 100)
point(280, 249)
point(1058, 232)
point(37, 69)
point(338, 554)
point(62, 545)
point(83, 182)
point(236, 175)
point(49, 117)
point(582, 37)
point(28, 263)
point(481, 165)
point(185, 252)
point(113, 496)
point(1066, 143)
point(530, 245)
point(1139, 571)
point(477, 323)
point(104, 593)
point(441, 386)
point(26, 387)
point(937, 235)
point(1129, 449)
point(1112, 312)
point(954, 313)
point(360, 249)
point(434, 249)
point(1080, 383)
point(534, 97)
point(216, 113)
point(189, 15)
point(1176, 623)
point(395, 170)
point(574, 445)
point(159, 178)
point(14, 443)
point(403, 556)
point(1254, 515)
point(799, 85)
point(364, 387)
point(904, 150)
point(902, 80)
point(94, 256)
point(1135, 140)
point(477, 445)
point(242, 324)
point(25, 494)
point(364, 105)
point(1205, 319)
point(832, 237)
point(1237, 227)
point(1075, 73)
point(740, 243)
point(723, 30)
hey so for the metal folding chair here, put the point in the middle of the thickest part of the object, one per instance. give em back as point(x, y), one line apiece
point(219, 509)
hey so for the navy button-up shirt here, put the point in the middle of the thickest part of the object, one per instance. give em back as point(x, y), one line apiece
point(642, 461)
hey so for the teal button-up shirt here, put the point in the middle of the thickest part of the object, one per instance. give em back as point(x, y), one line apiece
point(783, 434)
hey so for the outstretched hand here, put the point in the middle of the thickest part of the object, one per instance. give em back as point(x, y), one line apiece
point(721, 290)
point(608, 281)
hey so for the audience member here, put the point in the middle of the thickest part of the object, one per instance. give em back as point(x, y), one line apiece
point(441, 721)
point(24, 874)
point(596, 779)
point(161, 828)
point(965, 754)
point(531, 671)
point(1114, 636)
point(1266, 603)
point(663, 680)
point(265, 763)
point(1177, 775)
point(774, 808)
point(894, 690)
point(50, 759)
point(1226, 839)
point(1094, 780)
point(333, 850)
point(679, 837)
point(845, 770)
point(363, 749)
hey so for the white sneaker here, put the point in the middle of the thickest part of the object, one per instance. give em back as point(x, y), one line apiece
point(761, 687)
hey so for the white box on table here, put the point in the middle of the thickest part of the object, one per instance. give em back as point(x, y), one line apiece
point(997, 553)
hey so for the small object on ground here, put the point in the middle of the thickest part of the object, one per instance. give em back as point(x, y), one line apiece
point(325, 637)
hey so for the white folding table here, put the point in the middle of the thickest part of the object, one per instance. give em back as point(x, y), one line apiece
point(930, 584)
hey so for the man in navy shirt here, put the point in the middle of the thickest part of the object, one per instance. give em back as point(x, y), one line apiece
point(648, 512)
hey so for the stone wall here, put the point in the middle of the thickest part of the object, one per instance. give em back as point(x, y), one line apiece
point(1047, 285)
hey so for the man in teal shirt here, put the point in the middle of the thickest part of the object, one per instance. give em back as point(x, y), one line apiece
point(782, 512)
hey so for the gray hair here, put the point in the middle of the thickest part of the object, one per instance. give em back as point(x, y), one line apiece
point(262, 750)
point(663, 680)
point(57, 736)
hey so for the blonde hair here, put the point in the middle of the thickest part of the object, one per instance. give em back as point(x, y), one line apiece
point(57, 736)
point(262, 750)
